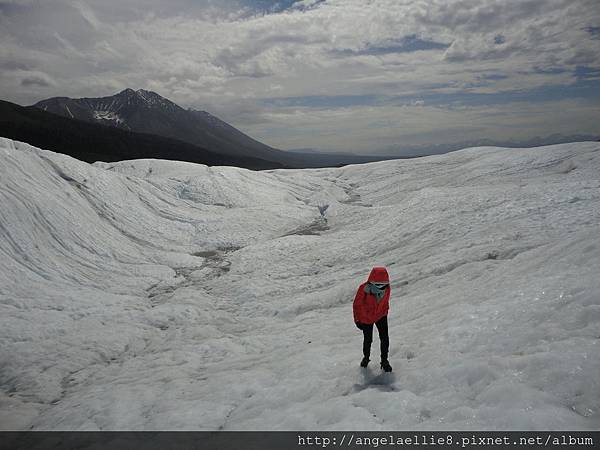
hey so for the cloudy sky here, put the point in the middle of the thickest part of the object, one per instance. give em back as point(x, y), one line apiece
point(355, 75)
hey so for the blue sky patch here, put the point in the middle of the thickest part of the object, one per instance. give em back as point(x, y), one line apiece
point(494, 76)
point(276, 6)
point(586, 73)
point(550, 70)
point(323, 101)
point(499, 39)
point(410, 43)
point(594, 31)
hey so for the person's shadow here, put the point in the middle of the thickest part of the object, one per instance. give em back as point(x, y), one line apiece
point(383, 381)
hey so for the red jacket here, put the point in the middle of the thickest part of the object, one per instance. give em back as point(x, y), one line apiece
point(366, 308)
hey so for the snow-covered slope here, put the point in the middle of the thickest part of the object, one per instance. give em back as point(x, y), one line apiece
point(162, 295)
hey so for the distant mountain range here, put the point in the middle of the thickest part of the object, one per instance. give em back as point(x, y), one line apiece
point(95, 142)
point(144, 111)
point(142, 124)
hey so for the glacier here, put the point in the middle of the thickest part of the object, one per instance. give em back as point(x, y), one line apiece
point(161, 295)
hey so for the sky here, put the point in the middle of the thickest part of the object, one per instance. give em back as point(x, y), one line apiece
point(368, 76)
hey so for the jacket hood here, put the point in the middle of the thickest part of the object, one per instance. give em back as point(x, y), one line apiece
point(379, 275)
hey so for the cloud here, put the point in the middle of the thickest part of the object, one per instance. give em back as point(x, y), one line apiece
point(37, 79)
point(254, 61)
point(390, 127)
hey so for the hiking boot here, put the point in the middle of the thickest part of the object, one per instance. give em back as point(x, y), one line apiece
point(385, 365)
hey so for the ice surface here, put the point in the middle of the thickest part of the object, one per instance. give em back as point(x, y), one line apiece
point(165, 295)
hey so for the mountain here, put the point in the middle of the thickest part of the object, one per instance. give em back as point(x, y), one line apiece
point(147, 112)
point(96, 142)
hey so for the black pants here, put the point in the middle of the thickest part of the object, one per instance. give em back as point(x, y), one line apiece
point(382, 329)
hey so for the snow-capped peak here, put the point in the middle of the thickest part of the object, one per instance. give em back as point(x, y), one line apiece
point(142, 97)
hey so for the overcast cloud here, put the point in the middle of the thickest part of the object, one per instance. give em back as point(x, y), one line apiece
point(336, 74)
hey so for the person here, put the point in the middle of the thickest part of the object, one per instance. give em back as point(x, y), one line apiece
point(371, 305)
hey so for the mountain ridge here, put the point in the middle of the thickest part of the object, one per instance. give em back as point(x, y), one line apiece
point(90, 142)
point(146, 111)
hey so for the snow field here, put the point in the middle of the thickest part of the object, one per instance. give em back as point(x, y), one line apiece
point(164, 295)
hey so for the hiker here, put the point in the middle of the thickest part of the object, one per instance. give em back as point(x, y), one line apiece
point(371, 305)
